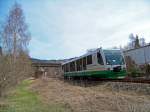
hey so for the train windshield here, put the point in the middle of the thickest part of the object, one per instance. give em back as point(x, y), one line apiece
point(113, 57)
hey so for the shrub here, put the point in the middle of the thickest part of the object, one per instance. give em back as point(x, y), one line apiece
point(147, 70)
point(12, 72)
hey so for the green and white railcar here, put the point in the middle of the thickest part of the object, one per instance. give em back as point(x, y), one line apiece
point(98, 64)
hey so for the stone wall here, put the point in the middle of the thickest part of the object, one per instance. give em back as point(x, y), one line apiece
point(47, 70)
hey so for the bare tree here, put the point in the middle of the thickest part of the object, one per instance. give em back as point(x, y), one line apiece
point(135, 42)
point(15, 34)
point(15, 63)
point(142, 41)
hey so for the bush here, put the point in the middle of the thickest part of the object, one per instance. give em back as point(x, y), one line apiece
point(13, 71)
point(147, 70)
point(132, 68)
point(135, 72)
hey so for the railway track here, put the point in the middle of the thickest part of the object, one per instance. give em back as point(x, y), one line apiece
point(128, 80)
point(134, 80)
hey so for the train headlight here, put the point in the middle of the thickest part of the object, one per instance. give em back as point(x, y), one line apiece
point(117, 69)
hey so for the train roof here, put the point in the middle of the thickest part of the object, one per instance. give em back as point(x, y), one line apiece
point(86, 54)
point(89, 53)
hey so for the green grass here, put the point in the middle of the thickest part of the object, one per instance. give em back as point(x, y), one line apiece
point(25, 100)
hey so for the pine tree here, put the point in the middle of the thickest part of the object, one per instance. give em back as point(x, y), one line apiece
point(137, 43)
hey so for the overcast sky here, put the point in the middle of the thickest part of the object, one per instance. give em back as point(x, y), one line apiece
point(67, 28)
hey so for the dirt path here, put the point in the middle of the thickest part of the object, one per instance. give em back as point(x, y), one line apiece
point(90, 99)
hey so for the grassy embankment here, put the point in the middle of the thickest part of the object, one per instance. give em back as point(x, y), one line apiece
point(25, 100)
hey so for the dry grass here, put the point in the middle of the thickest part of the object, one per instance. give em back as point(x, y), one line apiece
point(22, 99)
point(90, 99)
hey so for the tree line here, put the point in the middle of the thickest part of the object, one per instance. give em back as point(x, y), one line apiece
point(135, 42)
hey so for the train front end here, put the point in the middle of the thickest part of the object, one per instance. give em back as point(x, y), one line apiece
point(115, 64)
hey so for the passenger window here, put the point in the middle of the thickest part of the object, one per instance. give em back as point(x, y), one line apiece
point(89, 59)
point(80, 61)
point(84, 63)
point(78, 65)
point(67, 67)
point(100, 59)
point(72, 66)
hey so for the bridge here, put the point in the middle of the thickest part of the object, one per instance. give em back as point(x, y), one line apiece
point(46, 68)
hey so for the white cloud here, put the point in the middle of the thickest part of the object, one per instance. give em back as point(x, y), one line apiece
point(66, 29)
point(89, 26)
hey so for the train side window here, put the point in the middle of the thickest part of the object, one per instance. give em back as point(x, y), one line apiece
point(100, 59)
point(89, 59)
point(84, 63)
point(64, 68)
point(72, 66)
point(78, 65)
point(67, 67)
